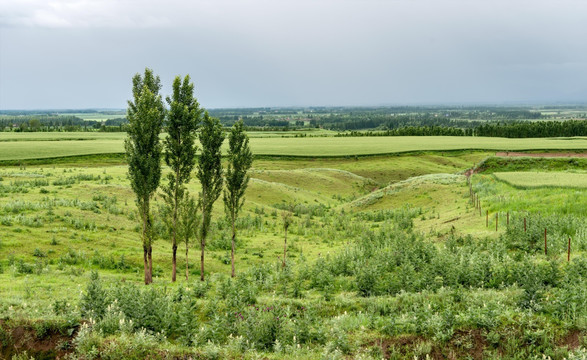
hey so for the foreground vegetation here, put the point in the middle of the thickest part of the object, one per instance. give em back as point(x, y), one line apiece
point(387, 257)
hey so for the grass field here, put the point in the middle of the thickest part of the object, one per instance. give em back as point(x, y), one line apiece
point(387, 257)
point(527, 179)
point(20, 146)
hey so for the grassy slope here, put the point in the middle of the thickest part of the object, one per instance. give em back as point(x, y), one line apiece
point(274, 182)
point(365, 184)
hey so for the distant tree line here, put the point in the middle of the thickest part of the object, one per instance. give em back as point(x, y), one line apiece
point(413, 131)
point(525, 129)
point(390, 122)
point(534, 129)
point(66, 123)
point(512, 122)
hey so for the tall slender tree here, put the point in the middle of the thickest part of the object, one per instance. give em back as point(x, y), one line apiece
point(188, 223)
point(240, 159)
point(210, 176)
point(180, 152)
point(286, 217)
point(145, 114)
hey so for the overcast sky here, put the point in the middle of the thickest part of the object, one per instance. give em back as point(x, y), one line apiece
point(248, 53)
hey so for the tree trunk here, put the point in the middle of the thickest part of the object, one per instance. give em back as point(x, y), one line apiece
point(145, 234)
point(233, 274)
point(203, 235)
point(146, 264)
point(284, 248)
point(202, 261)
point(174, 262)
point(174, 229)
point(150, 264)
point(186, 262)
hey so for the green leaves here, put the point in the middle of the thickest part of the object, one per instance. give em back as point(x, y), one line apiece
point(209, 169)
point(240, 159)
point(143, 150)
point(182, 122)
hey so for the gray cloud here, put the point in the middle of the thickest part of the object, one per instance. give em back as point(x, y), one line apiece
point(78, 53)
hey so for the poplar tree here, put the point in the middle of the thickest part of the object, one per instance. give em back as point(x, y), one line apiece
point(286, 217)
point(180, 153)
point(210, 176)
point(240, 160)
point(145, 114)
point(188, 223)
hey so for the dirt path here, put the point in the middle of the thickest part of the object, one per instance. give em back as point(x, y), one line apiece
point(518, 154)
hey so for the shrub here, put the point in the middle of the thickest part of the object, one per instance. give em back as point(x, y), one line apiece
point(38, 253)
point(366, 280)
point(137, 346)
point(23, 268)
point(93, 303)
point(87, 343)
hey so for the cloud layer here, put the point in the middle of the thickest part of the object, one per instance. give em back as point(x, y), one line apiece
point(81, 53)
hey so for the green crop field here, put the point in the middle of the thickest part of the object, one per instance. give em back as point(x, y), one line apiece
point(20, 146)
point(97, 116)
point(387, 255)
point(544, 179)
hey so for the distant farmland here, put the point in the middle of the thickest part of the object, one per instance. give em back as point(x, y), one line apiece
point(20, 146)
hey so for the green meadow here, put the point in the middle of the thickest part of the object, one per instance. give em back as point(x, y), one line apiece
point(388, 256)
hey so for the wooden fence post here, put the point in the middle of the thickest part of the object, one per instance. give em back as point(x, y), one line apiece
point(496, 220)
point(569, 251)
point(487, 219)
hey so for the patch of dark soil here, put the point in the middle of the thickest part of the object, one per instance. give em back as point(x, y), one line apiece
point(471, 171)
point(572, 340)
point(401, 343)
point(464, 344)
point(469, 342)
point(20, 338)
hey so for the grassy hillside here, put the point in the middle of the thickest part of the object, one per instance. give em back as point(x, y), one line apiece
point(387, 258)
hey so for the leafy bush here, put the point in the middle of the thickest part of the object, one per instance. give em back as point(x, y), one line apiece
point(93, 303)
point(38, 253)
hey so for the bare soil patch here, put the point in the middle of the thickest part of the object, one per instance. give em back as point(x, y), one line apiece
point(572, 340)
point(23, 338)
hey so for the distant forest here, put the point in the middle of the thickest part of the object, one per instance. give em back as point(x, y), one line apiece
point(511, 122)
